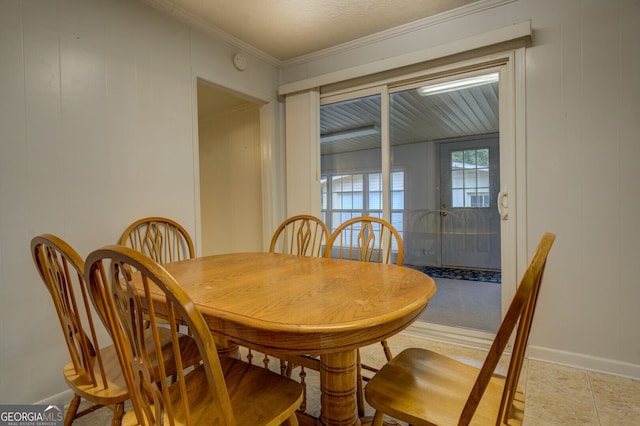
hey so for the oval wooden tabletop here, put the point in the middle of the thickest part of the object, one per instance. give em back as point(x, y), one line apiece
point(271, 299)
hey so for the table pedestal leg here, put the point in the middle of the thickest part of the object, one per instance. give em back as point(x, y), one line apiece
point(338, 385)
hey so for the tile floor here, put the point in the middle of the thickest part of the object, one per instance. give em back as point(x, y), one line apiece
point(555, 395)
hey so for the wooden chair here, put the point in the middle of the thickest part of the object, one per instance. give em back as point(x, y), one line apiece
point(224, 391)
point(367, 239)
point(94, 372)
point(304, 235)
point(163, 240)
point(422, 387)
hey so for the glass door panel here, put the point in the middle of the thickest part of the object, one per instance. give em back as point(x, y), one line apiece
point(351, 159)
point(423, 120)
point(413, 150)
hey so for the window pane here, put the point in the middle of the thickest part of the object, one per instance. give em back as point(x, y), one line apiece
point(358, 198)
point(469, 158)
point(470, 179)
point(397, 200)
point(457, 179)
point(483, 157)
point(375, 181)
point(375, 201)
point(397, 181)
point(457, 160)
point(457, 198)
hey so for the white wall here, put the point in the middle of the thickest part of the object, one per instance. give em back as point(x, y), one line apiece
point(97, 125)
point(582, 149)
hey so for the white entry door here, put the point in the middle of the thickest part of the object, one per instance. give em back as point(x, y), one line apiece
point(470, 222)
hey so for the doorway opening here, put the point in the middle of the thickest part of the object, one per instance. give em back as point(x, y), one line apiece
point(229, 170)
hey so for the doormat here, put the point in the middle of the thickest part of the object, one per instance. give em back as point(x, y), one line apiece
point(461, 274)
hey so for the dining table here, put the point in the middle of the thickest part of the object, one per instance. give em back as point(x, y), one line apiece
point(296, 305)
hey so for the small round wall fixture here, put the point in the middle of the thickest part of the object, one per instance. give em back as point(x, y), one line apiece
point(239, 61)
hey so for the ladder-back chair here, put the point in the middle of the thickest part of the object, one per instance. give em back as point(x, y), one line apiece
point(94, 373)
point(423, 387)
point(224, 391)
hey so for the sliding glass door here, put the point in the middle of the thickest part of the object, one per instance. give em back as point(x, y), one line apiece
point(425, 156)
point(445, 136)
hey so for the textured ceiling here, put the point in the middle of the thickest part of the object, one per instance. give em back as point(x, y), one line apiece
point(285, 29)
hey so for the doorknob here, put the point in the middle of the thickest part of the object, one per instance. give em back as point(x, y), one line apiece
point(444, 212)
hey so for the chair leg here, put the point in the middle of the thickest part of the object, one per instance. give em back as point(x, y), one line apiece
point(118, 412)
point(290, 367)
point(359, 387)
point(377, 419)
point(72, 410)
point(387, 351)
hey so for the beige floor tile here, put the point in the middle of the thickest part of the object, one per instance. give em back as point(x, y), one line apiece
point(617, 399)
point(559, 395)
point(530, 421)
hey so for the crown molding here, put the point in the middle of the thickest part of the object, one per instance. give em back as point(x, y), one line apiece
point(512, 32)
point(397, 31)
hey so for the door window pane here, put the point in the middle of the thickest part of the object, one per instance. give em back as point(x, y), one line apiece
point(470, 178)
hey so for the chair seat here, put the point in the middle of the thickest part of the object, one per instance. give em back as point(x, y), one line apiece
point(250, 390)
point(116, 390)
point(422, 387)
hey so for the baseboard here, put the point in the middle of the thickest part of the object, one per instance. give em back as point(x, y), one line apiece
point(480, 340)
point(591, 363)
point(61, 398)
